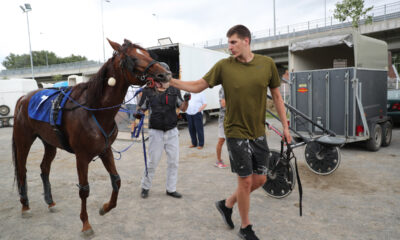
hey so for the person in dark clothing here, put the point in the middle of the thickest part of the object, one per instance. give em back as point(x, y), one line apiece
point(163, 133)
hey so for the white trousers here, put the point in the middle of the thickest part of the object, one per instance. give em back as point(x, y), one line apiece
point(159, 141)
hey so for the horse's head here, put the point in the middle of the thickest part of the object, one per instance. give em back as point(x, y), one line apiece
point(137, 64)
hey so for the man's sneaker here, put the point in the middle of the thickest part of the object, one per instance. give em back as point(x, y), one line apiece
point(247, 233)
point(144, 193)
point(220, 165)
point(225, 212)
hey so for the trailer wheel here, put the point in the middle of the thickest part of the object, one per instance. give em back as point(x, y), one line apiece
point(386, 133)
point(11, 122)
point(280, 179)
point(4, 110)
point(322, 159)
point(375, 140)
point(206, 117)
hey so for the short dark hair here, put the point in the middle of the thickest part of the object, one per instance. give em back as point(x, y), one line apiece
point(240, 30)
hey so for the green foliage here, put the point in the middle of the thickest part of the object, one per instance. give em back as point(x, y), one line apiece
point(353, 9)
point(40, 58)
point(57, 78)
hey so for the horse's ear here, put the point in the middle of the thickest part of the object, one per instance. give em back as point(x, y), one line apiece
point(114, 45)
point(126, 41)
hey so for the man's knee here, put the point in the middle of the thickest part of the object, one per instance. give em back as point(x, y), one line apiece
point(259, 180)
point(245, 183)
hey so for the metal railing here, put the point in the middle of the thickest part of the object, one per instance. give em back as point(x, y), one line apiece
point(379, 13)
point(50, 68)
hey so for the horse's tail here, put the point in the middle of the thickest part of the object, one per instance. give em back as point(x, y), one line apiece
point(14, 156)
point(14, 148)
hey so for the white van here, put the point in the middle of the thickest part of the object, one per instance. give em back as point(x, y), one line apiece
point(10, 91)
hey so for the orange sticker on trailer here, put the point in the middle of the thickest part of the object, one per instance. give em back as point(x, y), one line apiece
point(302, 90)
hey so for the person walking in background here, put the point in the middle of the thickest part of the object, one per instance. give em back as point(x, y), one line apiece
point(163, 133)
point(194, 117)
point(221, 134)
point(130, 103)
point(245, 77)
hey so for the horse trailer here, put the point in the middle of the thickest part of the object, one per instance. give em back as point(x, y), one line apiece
point(11, 90)
point(191, 63)
point(340, 82)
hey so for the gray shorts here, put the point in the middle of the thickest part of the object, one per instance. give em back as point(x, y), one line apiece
point(247, 156)
point(221, 133)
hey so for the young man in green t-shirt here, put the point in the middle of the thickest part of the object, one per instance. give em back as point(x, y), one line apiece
point(245, 77)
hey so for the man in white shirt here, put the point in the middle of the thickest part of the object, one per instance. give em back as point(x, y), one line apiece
point(130, 103)
point(194, 116)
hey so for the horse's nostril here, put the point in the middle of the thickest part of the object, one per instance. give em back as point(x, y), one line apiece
point(162, 76)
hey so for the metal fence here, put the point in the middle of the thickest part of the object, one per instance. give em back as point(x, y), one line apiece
point(379, 13)
point(50, 68)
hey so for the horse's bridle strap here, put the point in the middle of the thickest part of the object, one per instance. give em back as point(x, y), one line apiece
point(148, 66)
point(143, 78)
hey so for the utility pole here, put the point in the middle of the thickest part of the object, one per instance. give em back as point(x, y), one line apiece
point(274, 19)
point(27, 9)
point(325, 13)
point(102, 29)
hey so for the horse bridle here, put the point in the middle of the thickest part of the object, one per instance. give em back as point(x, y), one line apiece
point(144, 73)
point(129, 64)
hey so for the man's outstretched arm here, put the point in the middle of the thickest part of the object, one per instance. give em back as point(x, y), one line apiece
point(189, 86)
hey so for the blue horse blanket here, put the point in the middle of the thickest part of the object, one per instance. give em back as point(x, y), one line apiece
point(40, 105)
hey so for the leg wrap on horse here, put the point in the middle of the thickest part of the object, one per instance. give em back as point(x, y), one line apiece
point(114, 180)
point(46, 188)
point(83, 191)
point(23, 193)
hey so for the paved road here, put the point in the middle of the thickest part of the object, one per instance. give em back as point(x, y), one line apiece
point(360, 200)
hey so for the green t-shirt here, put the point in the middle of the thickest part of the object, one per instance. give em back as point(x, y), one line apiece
point(245, 86)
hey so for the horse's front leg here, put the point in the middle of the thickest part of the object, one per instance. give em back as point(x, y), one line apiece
point(82, 163)
point(109, 164)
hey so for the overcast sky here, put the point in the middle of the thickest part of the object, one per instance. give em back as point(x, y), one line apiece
point(68, 27)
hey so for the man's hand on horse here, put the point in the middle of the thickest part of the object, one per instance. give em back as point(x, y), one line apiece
point(187, 97)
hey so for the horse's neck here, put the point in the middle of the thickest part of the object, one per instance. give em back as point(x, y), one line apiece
point(112, 96)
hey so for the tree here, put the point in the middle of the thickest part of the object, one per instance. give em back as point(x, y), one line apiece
point(57, 77)
point(353, 9)
point(40, 58)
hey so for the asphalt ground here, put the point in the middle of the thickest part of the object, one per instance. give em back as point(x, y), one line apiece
point(360, 200)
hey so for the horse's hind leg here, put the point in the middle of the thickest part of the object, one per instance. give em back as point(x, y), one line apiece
point(49, 154)
point(21, 144)
point(109, 164)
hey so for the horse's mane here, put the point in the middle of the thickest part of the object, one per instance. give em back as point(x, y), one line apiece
point(94, 87)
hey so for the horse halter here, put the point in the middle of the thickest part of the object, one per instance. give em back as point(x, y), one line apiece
point(129, 63)
point(149, 81)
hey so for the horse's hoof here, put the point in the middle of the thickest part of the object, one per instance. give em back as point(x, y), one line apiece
point(102, 212)
point(26, 214)
point(87, 233)
point(53, 209)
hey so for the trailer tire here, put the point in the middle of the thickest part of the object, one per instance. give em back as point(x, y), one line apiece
point(375, 141)
point(206, 117)
point(4, 110)
point(386, 133)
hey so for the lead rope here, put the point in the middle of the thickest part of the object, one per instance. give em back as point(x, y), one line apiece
point(144, 152)
point(136, 133)
point(289, 156)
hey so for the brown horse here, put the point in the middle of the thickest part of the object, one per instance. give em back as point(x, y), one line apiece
point(88, 133)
